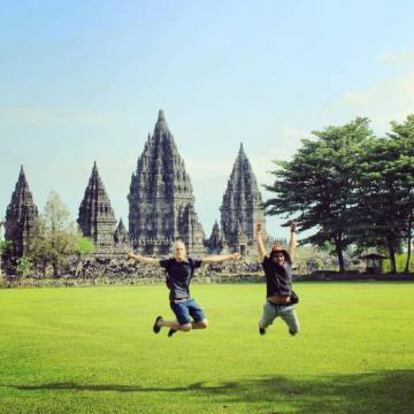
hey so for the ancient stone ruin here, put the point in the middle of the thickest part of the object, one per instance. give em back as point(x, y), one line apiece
point(96, 216)
point(161, 207)
point(242, 205)
point(161, 200)
point(21, 215)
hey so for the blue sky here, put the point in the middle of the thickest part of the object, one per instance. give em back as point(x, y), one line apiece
point(83, 81)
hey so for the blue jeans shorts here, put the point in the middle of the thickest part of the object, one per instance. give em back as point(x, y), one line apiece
point(187, 309)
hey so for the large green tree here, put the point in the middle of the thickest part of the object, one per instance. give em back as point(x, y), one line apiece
point(402, 137)
point(376, 219)
point(385, 192)
point(316, 187)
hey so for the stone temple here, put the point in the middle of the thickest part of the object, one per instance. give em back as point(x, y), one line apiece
point(242, 205)
point(161, 207)
point(96, 216)
point(21, 216)
point(161, 200)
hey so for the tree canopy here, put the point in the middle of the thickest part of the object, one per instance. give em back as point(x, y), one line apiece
point(350, 187)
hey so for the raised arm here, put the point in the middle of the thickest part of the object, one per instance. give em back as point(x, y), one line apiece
point(259, 241)
point(220, 258)
point(143, 259)
point(293, 240)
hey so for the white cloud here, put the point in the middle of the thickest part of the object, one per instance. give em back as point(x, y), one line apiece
point(382, 102)
point(53, 116)
point(401, 58)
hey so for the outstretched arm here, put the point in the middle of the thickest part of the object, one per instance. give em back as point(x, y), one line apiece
point(259, 241)
point(220, 258)
point(143, 259)
point(293, 240)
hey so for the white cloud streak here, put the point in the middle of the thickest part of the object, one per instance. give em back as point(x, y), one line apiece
point(390, 99)
point(53, 116)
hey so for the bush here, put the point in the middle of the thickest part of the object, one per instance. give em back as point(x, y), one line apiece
point(24, 266)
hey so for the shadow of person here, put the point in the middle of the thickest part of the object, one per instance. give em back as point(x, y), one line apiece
point(377, 392)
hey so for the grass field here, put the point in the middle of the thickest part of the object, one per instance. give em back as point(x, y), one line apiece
point(91, 350)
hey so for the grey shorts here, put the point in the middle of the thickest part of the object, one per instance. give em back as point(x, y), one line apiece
point(287, 313)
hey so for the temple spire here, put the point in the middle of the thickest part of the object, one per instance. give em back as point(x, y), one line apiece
point(121, 236)
point(96, 216)
point(161, 200)
point(242, 157)
point(22, 181)
point(161, 116)
point(21, 215)
point(161, 124)
point(215, 241)
point(242, 202)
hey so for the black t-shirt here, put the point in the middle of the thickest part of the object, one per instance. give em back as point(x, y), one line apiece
point(278, 277)
point(179, 276)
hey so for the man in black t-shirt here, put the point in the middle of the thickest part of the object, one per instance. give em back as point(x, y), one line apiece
point(180, 270)
point(277, 269)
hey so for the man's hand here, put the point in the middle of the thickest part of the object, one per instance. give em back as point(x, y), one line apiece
point(142, 259)
point(259, 241)
point(131, 255)
point(235, 256)
point(220, 259)
point(293, 239)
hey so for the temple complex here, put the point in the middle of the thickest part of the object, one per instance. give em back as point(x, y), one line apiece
point(161, 207)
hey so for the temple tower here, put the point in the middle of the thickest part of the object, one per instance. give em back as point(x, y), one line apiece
point(161, 200)
point(21, 216)
point(96, 216)
point(215, 241)
point(121, 236)
point(242, 204)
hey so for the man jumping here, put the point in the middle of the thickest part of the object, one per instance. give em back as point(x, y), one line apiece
point(180, 270)
point(277, 269)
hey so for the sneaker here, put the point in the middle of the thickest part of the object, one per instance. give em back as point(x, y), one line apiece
point(156, 328)
point(262, 331)
point(293, 333)
point(171, 332)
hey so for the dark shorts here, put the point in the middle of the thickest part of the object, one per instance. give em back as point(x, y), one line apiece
point(186, 310)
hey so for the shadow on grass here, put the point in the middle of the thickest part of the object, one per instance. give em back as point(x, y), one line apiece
point(378, 392)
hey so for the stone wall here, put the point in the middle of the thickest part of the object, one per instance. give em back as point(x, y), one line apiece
point(118, 265)
point(116, 269)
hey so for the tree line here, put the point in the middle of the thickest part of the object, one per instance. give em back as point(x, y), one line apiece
point(351, 187)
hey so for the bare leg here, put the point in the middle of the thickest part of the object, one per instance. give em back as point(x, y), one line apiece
point(175, 325)
point(200, 324)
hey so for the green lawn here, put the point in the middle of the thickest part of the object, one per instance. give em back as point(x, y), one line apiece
point(91, 350)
